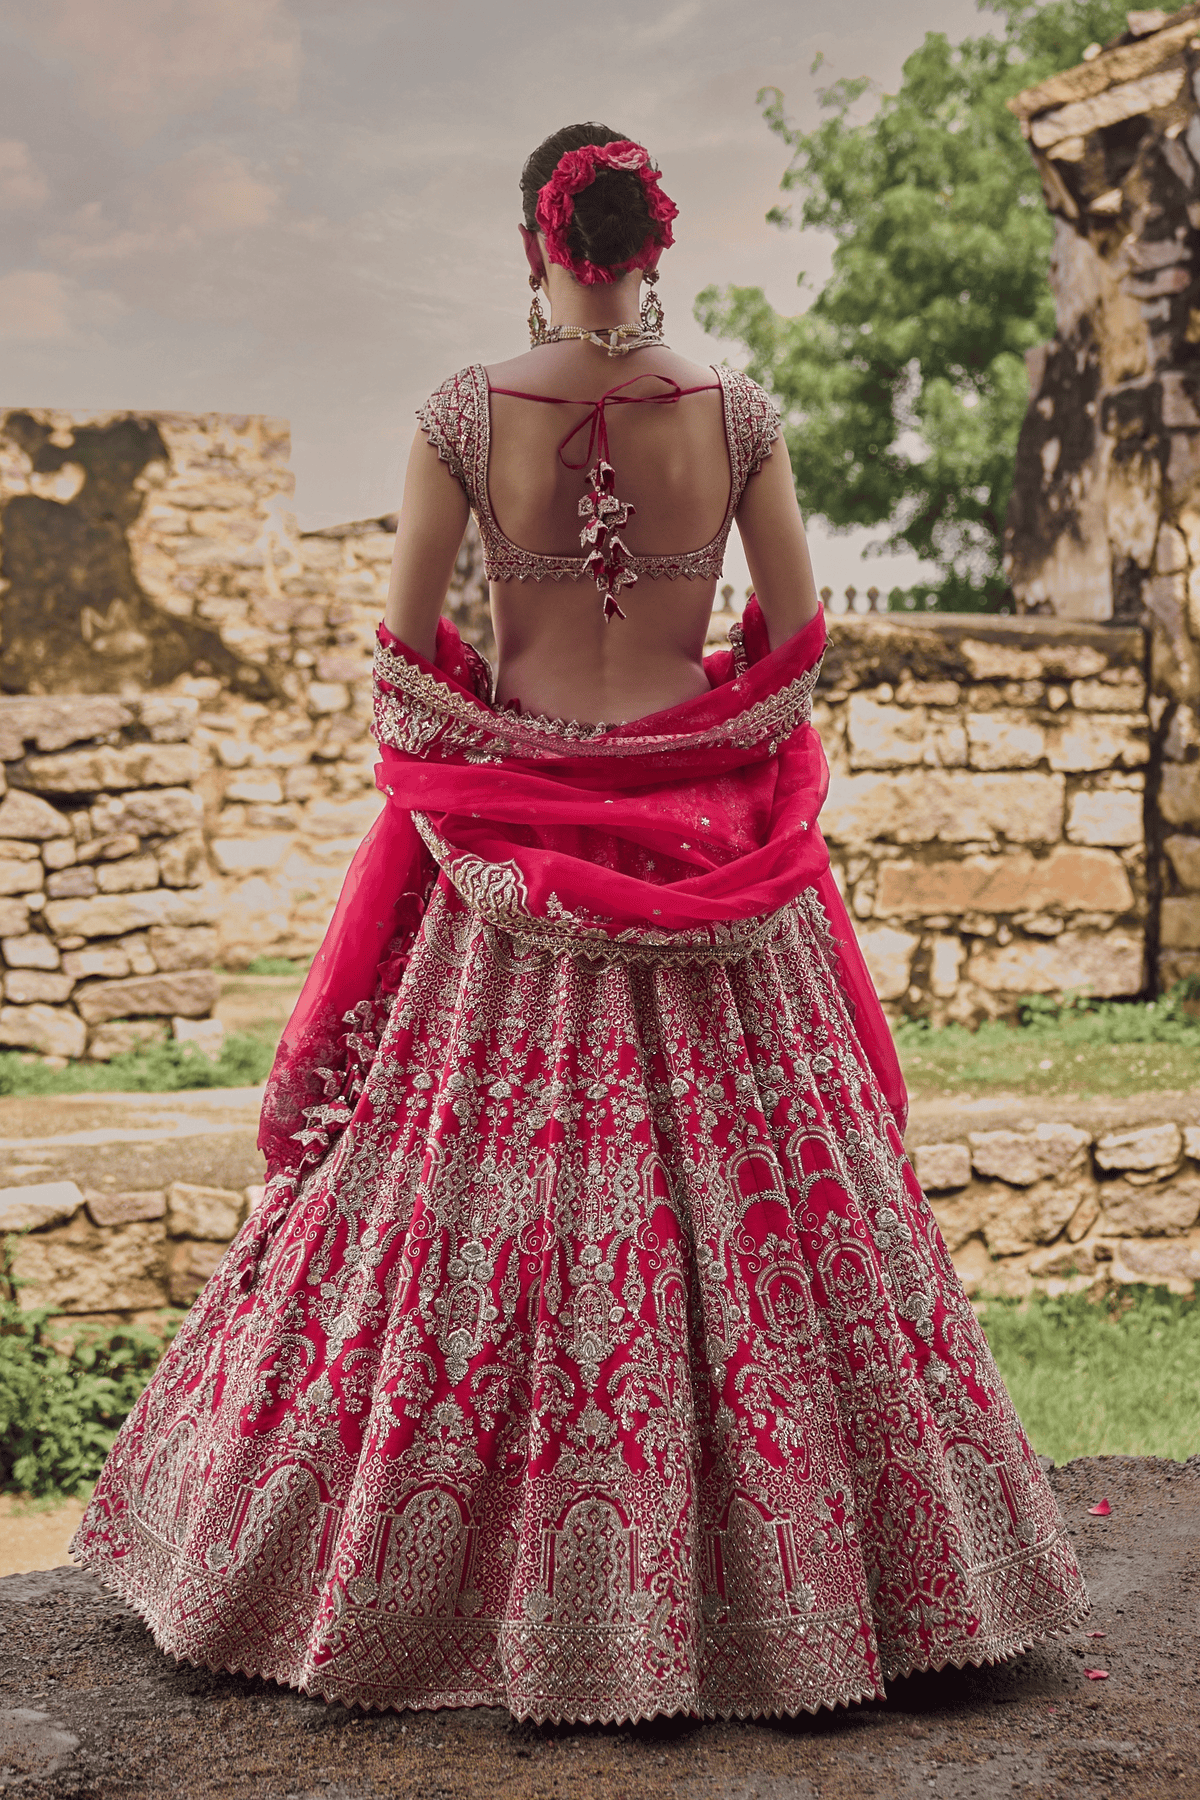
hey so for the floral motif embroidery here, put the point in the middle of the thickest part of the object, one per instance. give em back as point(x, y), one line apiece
point(609, 1364)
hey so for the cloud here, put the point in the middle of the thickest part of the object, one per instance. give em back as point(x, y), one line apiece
point(141, 64)
point(207, 193)
point(22, 184)
point(34, 307)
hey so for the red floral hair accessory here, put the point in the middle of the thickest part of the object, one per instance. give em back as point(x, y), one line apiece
point(577, 170)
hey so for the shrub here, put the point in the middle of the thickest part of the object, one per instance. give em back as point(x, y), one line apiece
point(62, 1403)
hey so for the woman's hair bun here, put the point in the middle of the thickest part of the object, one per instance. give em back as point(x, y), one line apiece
point(612, 220)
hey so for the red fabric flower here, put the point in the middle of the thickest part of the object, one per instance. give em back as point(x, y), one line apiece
point(577, 170)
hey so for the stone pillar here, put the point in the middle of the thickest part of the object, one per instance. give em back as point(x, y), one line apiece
point(1105, 516)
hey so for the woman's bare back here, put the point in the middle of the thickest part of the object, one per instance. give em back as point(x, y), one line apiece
point(557, 654)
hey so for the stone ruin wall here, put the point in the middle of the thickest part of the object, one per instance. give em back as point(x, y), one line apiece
point(988, 807)
point(106, 913)
point(986, 810)
point(1105, 516)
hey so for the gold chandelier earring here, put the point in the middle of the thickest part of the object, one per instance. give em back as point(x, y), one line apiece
point(652, 312)
point(537, 318)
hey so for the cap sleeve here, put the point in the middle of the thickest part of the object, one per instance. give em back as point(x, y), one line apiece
point(755, 424)
point(454, 419)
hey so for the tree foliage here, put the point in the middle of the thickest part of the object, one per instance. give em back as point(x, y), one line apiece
point(903, 385)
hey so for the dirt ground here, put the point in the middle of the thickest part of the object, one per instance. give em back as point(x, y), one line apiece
point(89, 1710)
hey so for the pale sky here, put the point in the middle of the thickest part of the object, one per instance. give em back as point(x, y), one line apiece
point(308, 208)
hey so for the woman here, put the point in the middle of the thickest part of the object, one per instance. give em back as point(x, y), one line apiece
point(594, 1351)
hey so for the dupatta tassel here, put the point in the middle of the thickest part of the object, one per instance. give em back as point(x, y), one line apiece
point(608, 557)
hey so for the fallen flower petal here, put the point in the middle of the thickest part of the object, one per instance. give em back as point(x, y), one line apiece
point(1096, 1674)
point(1097, 1634)
point(1101, 1509)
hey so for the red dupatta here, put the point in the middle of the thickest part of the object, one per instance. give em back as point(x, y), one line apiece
point(679, 834)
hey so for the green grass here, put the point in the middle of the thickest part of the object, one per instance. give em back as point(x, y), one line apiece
point(1079, 1047)
point(271, 965)
point(1115, 1378)
point(245, 1060)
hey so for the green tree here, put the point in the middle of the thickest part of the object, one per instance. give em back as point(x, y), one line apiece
point(903, 385)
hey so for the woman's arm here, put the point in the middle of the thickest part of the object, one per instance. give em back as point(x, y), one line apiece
point(433, 518)
point(772, 533)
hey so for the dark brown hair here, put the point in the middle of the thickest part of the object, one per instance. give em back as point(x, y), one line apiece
point(612, 220)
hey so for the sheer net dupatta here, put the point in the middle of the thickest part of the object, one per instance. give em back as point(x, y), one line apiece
point(681, 834)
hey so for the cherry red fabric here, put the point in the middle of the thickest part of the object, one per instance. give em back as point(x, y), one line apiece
point(684, 821)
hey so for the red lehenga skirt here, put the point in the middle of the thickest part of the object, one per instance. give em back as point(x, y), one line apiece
point(595, 1353)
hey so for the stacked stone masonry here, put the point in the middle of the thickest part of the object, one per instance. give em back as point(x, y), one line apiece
point(1058, 1209)
point(109, 1257)
point(106, 914)
point(1105, 515)
point(986, 810)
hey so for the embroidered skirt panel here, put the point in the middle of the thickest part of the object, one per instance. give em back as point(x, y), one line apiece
point(611, 1364)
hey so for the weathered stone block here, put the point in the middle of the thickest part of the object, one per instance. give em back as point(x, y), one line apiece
point(204, 1212)
point(946, 955)
point(152, 812)
point(25, 816)
point(98, 959)
point(1002, 662)
point(190, 1267)
point(169, 718)
point(75, 883)
point(192, 993)
point(354, 818)
point(1106, 816)
point(947, 806)
point(125, 1209)
point(182, 861)
point(1105, 964)
point(1080, 880)
point(57, 853)
point(1023, 1157)
point(1083, 742)
point(107, 768)
point(1172, 1265)
point(1004, 740)
point(246, 856)
point(1184, 853)
point(1149, 1147)
point(80, 1268)
point(52, 1030)
point(14, 919)
point(24, 987)
point(112, 915)
point(36, 1208)
point(51, 722)
point(117, 1039)
point(175, 948)
point(1103, 696)
point(1191, 1141)
point(1163, 1211)
point(941, 1167)
point(887, 736)
point(1016, 1221)
point(263, 790)
point(327, 697)
point(1178, 796)
point(888, 954)
point(134, 874)
point(1179, 922)
point(19, 877)
point(108, 849)
point(34, 951)
point(1085, 1215)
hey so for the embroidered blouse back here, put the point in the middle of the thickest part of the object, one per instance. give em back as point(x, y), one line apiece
point(457, 421)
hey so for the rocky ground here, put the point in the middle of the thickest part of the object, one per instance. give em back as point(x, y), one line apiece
point(89, 1710)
